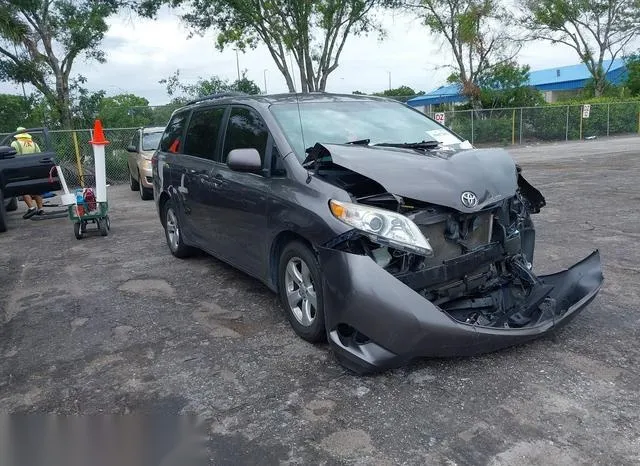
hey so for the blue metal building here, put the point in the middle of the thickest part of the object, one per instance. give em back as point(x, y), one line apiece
point(550, 81)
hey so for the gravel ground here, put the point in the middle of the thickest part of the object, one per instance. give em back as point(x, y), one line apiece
point(117, 325)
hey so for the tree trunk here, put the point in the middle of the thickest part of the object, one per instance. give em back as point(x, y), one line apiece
point(63, 100)
point(599, 86)
point(289, 81)
point(304, 79)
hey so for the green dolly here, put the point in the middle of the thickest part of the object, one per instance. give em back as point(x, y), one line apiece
point(99, 217)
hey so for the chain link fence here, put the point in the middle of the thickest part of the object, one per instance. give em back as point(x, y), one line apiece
point(543, 124)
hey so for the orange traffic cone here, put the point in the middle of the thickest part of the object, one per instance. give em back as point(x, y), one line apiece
point(98, 134)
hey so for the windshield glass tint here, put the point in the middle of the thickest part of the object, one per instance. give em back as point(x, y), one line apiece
point(340, 122)
point(150, 141)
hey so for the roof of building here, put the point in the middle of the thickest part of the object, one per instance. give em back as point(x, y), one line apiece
point(551, 79)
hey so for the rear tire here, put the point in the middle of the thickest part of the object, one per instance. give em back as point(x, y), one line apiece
point(146, 194)
point(3, 214)
point(133, 184)
point(173, 231)
point(77, 230)
point(300, 290)
point(12, 206)
point(102, 226)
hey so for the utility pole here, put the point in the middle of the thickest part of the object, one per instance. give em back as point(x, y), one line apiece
point(238, 64)
point(389, 79)
point(264, 73)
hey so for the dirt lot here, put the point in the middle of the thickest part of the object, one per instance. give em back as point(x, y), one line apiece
point(118, 325)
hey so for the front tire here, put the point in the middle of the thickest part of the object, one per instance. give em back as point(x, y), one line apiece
point(77, 230)
point(3, 214)
point(173, 232)
point(133, 184)
point(300, 289)
point(12, 206)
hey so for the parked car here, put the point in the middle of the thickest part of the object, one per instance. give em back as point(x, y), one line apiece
point(25, 174)
point(143, 144)
point(378, 227)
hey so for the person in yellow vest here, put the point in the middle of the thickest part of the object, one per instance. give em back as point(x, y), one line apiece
point(24, 144)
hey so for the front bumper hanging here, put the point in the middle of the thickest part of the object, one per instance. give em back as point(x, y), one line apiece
point(392, 324)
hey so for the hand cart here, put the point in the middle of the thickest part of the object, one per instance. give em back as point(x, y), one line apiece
point(81, 216)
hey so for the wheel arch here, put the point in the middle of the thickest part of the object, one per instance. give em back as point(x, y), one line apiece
point(162, 201)
point(278, 244)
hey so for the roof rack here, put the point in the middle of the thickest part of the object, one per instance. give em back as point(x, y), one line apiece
point(219, 95)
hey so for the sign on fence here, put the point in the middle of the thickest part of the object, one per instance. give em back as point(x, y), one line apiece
point(439, 117)
point(586, 110)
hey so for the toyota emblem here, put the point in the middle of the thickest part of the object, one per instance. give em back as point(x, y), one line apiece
point(469, 199)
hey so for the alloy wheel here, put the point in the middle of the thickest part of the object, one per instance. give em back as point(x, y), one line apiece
point(300, 291)
point(173, 229)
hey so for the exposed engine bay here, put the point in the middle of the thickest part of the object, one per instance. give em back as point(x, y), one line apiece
point(480, 272)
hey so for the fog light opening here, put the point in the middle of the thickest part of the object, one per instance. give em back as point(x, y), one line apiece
point(351, 336)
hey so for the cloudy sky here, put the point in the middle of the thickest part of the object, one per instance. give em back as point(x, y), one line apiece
point(140, 52)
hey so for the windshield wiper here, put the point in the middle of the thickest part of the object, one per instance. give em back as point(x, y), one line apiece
point(360, 142)
point(431, 144)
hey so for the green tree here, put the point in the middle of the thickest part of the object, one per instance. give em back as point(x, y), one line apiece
point(402, 91)
point(124, 111)
point(506, 85)
point(182, 92)
point(475, 32)
point(313, 31)
point(633, 74)
point(85, 105)
point(40, 40)
point(596, 30)
point(16, 110)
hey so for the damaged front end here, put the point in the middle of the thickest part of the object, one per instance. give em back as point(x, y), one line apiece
point(471, 289)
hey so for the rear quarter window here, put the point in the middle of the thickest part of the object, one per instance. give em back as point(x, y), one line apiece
point(172, 137)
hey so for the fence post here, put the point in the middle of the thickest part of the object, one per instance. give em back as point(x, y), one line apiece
point(472, 126)
point(520, 125)
point(513, 128)
point(581, 107)
point(566, 133)
point(608, 113)
point(638, 120)
point(78, 161)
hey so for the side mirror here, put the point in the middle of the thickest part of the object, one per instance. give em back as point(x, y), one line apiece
point(132, 148)
point(244, 160)
point(7, 152)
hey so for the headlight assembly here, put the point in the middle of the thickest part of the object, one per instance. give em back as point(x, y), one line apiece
point(383, 226)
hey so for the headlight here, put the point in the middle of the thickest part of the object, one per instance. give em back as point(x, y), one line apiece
point(383, 226)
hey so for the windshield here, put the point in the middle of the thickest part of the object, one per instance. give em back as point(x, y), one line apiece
point(347, 121)
point(150, 141)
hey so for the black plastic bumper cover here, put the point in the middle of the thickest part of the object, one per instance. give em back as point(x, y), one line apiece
point(402, 325)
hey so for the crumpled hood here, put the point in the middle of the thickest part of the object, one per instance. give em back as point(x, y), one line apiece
point(438, 177)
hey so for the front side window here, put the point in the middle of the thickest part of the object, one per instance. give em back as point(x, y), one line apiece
point(171, 140)
point(339, 122)
point(135, 140)
point(202, 134)
point(246, 130)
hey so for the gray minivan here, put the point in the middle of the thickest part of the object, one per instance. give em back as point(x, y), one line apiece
point(381, 230)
